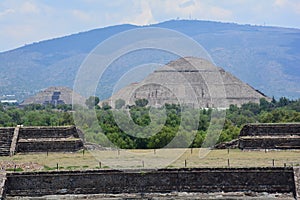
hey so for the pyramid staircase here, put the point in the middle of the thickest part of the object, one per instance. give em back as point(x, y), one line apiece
point(6, 136)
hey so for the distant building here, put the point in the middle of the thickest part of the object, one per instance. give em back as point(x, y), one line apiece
point(9, 99)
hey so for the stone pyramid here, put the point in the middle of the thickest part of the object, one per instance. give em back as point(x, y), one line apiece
point(65, 95)
point(191, 82)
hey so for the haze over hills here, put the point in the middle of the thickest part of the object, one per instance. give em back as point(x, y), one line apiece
point(267, 58)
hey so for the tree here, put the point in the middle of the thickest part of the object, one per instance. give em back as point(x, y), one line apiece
point(119, 103)
point(265, 105)
point(106, 106)
point(283, 101)
point(92, 101)
point(274, 101)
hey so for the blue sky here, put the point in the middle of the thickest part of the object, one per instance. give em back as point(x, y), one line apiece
point(27, 21)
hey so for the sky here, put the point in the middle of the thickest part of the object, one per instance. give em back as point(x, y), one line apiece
point(26, 21)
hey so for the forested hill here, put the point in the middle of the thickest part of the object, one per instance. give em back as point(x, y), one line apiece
point(267, 58)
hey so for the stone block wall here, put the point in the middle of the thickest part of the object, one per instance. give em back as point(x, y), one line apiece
point(270, 136)
point(71, 145)
point(287, 129)
point(47, 132)
point(269, 143)
point(270, 180)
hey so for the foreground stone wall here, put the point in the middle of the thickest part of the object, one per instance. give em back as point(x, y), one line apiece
point(269, 180)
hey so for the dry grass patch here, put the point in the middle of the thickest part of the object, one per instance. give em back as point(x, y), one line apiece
point(155, 159)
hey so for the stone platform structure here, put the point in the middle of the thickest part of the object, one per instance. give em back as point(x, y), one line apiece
point(270, 136)
point(39, 139)
point(165, 181)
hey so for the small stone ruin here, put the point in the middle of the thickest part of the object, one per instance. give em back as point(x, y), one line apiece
point(270, 136)
point(39, 139)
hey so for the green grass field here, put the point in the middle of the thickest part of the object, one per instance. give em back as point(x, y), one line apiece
point(160, 158)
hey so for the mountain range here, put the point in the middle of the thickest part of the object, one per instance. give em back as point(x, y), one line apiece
point(267, 58)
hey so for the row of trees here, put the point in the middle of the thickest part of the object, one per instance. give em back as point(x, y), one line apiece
point(140, 126)
point(35, 115)
point(177, 126)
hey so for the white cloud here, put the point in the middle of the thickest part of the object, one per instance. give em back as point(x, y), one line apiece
point(194, 9)
point(187, 4)
point(29, 8)
point(220, 13)
point(6, 12)
point(291, 5)
point(83, 16)
point(19, 31)
point(280, 3)
point(143, 17)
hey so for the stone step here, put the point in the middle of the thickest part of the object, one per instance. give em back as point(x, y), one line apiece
point(4, 150)
point(5, 142)
point(5, 146)
point(5, 139)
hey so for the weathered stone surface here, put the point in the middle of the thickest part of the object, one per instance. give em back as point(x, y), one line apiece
point(228, 145)
point(167, 196)
point(270, 136)
point(269, 180)
point(189, 81)
point(297, 181)
point(14, 141)
point(2, 185)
